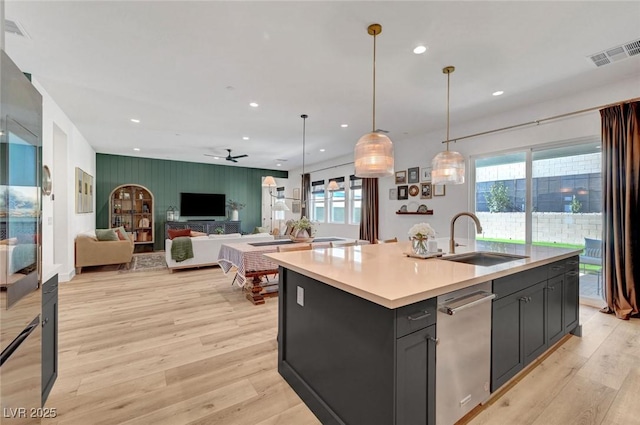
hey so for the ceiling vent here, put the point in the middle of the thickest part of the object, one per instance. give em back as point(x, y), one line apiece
point(616, 53)
point(13, 27)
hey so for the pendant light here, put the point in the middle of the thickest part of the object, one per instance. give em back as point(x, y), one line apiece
point(448, 166)
point(374, 151)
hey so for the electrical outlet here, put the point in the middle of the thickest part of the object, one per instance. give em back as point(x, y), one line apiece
point(300, 296)
point(50, 221)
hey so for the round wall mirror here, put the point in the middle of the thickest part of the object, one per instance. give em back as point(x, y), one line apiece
point(46, 181)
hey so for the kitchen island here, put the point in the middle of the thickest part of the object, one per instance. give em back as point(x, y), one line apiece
point(358, 332)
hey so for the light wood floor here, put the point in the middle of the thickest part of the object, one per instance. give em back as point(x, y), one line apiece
point(187, 348)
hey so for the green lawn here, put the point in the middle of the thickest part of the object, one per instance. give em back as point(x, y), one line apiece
point(554, 244)
point(589, 267)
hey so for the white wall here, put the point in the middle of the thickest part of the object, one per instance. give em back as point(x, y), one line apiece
point(79, 154)
point(419, 151)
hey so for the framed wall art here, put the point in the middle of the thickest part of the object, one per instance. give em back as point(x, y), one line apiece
point(426, 191)
point(403, 192)
point(84, 192)
point(438, 190)
point(414, 175)
point(401, 177)
point(393, 194)
point(425, 174)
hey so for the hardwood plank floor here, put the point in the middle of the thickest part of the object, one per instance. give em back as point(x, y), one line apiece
point(188, 348)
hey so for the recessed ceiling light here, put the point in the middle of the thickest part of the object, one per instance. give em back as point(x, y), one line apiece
point(322, 150)
point(254, 105)
point(245, 138)
point(216, 157)
point(136, 149)
point(279, 165)
point(420, 50)
point(135, 120)
point(497, 93)
point(344, 125)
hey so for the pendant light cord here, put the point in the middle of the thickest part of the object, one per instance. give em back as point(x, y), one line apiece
point(448, 89)
point(374, 83)
point(304, 132)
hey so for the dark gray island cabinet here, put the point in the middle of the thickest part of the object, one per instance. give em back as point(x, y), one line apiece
point(353, 361)
point(532, 311)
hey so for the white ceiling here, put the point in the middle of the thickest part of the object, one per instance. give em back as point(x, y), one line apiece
point(188, 70)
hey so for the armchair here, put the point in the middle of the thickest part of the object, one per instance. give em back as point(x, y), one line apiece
point(592, 255)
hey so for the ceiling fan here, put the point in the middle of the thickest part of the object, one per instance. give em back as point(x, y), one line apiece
point(229, 157)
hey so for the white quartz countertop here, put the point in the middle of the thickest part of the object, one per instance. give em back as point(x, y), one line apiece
point(381, 273)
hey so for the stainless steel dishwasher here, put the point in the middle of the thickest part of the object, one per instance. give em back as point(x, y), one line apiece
point(463, 353)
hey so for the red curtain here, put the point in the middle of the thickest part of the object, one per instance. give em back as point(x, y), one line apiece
point(621, 193)
point(369, 212)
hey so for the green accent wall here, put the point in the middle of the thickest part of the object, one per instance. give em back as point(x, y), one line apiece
point(166, 179)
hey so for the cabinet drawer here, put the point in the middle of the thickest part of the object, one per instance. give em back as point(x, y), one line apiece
point(508, 285)
point(413, 317)
point(50, 290)
point(556, 269)
point(571, 264)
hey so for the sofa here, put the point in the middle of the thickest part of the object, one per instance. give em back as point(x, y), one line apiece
point(92, 252)
point(206, 248)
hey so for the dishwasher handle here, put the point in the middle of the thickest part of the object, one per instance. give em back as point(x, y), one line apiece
point(475, 299)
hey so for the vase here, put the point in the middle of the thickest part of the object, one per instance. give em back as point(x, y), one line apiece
point(234, 215)
point(419, 245)
point(301, 236)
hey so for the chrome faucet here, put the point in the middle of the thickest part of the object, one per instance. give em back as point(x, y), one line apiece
point(452, 242)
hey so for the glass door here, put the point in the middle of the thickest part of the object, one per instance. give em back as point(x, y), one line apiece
point(501, 197)
point(567, 206)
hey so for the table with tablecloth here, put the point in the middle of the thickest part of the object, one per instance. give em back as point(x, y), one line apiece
point(250, 263)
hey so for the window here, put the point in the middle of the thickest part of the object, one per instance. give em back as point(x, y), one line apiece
point(355, 192)
point(317, 201)
point(337, 202)
point(501, 196)
point(564, 185)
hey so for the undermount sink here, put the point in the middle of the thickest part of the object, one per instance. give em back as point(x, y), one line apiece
point(484, 258)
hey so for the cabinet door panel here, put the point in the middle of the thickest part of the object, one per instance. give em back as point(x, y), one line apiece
point(534, 323)
point(555, 314)
point(49, 346)
point(415, 378)
point(506, 343)
point(571, 289)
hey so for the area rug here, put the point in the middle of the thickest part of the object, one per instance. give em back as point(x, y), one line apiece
point(145, 262)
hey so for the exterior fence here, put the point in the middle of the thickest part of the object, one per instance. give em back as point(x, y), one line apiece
point(547, 226)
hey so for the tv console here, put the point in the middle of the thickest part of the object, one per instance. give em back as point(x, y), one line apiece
point(206, 226)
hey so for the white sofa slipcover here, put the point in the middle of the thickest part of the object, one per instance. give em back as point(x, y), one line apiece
point(206, 248)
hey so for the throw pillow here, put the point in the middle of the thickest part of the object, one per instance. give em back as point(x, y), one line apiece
point(195, 234)
point(174, 233)
point(260, 230)
point(106, 235)
point(122, 234)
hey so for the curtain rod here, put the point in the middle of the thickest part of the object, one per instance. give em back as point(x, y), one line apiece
point(536, 122)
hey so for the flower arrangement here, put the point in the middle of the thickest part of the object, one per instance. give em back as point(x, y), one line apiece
point(304, 225)
point(235, 205)
point(422, 231)
point(419, 234)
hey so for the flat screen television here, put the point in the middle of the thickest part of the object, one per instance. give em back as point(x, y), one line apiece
point(202, 205)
